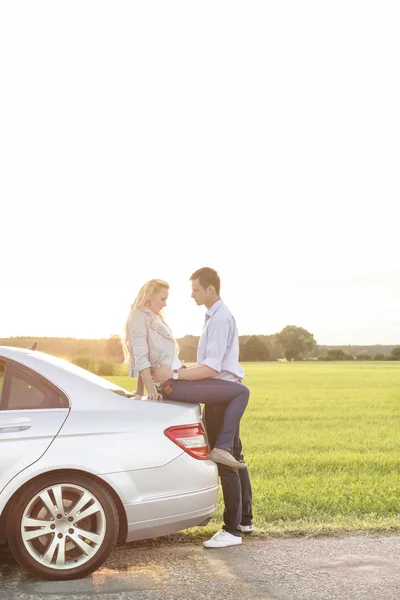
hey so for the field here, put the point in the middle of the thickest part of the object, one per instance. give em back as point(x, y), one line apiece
point(322, 441)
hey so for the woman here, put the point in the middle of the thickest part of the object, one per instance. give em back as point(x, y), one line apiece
point(148, 341)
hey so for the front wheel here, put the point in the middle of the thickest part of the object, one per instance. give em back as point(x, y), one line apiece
point(62, 526)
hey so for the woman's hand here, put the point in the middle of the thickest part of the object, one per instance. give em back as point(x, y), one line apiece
point(155, 396)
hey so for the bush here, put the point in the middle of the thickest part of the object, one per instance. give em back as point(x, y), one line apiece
point(105, 367)
point(336, 354)
point(85, 362)
point(363, 356)
point(121, 369)
point(100, 366)
point(379, 356)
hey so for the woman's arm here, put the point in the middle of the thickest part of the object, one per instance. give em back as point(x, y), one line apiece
point(137, 329)
point(147, 380)
point(140, 386)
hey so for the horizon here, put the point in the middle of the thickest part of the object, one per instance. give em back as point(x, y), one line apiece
point(245, 335)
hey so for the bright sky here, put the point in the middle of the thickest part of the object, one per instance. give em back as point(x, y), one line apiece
point(148, 139)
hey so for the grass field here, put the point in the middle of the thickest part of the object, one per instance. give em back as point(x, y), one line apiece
point(322, 441)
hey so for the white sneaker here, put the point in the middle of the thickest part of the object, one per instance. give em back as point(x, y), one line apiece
point(222, 539)
point(246, 528)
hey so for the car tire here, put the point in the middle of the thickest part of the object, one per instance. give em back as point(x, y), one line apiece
point(56, 545)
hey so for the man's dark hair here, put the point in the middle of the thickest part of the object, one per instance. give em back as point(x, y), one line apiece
point(206, 277)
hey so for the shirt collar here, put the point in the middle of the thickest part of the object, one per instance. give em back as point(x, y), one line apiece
point(211, 311)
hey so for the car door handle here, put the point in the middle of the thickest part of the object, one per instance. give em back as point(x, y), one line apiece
point(19, 424)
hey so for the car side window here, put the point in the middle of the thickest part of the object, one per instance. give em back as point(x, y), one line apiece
point(23, 391)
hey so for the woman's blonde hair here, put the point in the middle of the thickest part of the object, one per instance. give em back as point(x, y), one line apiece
point(142, 300)
point(147, 291)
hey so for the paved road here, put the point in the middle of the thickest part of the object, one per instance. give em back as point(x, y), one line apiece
point(347, 568)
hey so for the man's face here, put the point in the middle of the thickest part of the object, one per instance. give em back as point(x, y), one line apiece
point(199, 294)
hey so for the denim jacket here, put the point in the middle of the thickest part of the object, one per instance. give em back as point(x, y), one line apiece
point(147, 341)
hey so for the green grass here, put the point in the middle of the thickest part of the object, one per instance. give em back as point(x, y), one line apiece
point(322, 441)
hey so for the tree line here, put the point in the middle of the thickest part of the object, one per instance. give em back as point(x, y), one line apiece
point(292, 342)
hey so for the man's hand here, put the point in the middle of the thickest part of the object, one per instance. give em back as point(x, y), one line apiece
point(162, 374)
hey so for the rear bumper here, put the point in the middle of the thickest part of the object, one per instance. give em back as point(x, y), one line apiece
point(154, 517)
point(166, 499)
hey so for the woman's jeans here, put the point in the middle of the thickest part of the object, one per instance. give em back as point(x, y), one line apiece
point(215, 392)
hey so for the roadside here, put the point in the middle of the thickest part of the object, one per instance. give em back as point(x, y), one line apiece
point(356, 567)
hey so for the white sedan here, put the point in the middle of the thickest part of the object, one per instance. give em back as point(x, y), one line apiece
point(84, 464)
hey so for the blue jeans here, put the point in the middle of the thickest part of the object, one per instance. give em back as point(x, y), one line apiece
point(236, 486)
point(234, 396)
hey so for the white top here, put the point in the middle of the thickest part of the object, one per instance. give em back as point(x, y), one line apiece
point(176, 363)
point(219, 343)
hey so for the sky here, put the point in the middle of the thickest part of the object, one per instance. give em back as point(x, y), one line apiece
point(144, 140)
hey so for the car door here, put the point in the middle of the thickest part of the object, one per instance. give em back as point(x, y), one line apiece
point(32, 412)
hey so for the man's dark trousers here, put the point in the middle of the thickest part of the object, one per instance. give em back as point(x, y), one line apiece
point(236, 487)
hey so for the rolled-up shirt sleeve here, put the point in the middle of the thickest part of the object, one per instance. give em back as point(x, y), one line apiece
point(217, 340)
point(137, 330)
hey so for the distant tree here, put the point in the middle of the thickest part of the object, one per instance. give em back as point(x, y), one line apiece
point(187, 352)
point(254, 350)
point(363, 356)
point(83, 351)
point(395, 353)
point(379, 356)
point(113, 348)
point(295, 342)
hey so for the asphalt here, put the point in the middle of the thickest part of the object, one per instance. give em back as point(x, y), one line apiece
point(338, 568)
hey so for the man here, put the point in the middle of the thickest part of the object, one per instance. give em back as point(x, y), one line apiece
point(217, 357)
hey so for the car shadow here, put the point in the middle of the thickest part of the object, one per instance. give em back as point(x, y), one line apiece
point(10, 569)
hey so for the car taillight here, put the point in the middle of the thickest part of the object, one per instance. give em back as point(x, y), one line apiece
point(191, 438)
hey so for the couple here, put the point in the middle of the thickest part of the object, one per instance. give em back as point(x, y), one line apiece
point(215, 381)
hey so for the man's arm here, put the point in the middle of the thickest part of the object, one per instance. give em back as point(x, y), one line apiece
point(189, 374)
point(217, 341)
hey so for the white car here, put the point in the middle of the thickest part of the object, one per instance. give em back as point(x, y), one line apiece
point(84, 464)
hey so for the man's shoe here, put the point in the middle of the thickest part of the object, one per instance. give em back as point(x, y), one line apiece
point(246, 528)
point(222, 539)
point(219, 455)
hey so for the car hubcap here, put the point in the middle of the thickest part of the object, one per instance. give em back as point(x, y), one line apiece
point(63, 526)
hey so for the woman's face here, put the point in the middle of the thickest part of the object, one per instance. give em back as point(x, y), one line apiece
point(159, 301)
